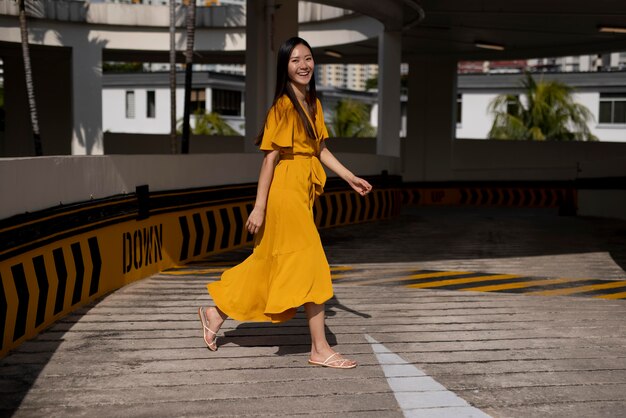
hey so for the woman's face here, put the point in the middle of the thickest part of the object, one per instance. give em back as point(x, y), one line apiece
point(300, 66)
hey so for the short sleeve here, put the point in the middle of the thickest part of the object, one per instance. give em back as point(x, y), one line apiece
point(278, 131)
point(320, 127)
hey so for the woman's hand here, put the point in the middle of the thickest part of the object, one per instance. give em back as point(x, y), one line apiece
point(257, 216)
point(361, 186)
point(255, 220)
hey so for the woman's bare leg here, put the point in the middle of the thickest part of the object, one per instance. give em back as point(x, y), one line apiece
point(320, 349)
point(216, 318)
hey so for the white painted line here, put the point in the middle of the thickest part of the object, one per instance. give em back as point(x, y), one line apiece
point(418, 394)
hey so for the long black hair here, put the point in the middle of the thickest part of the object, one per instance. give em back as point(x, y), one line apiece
point(283, 87)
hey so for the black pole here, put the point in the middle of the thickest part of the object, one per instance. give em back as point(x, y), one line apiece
point(191, 25)
point(187, 110)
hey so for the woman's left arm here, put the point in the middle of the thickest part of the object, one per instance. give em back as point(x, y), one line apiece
point(360, 185)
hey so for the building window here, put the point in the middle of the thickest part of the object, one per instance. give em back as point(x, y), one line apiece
point(227, 102)
point(150, 104)
point(459, 107)
point(512, 106)
point(613, 108)
point(130, 104)
point(198, 100)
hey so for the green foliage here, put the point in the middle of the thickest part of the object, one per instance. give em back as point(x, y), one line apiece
point(547, 113)
point(372, 83)
point(122, 67)
point(351, 119)
point(209, 124)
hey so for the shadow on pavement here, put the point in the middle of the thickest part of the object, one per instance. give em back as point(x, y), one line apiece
point(291, 337)
point(20, 369)
point(443, 233)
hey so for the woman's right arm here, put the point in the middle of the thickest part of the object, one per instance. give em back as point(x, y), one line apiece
point(257, 216)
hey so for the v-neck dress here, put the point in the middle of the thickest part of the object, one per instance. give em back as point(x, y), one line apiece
point(287, 267)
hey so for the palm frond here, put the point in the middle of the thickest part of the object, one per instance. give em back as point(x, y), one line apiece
point(548, 112)
point(351, 119)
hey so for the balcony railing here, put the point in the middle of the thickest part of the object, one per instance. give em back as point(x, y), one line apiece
point(81, 11)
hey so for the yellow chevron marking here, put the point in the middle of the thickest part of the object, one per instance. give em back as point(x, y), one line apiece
point(414, 276)
point(337, 276)
point(579, 289)
point(341, 268)
point(411, 277)
point(517, 285)
point(464, 280)
point(620, 295)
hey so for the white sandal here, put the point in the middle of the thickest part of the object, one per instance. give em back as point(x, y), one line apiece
point(331, 363)
point(213, 344)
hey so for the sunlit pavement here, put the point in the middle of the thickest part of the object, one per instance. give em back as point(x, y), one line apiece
point(450, 312)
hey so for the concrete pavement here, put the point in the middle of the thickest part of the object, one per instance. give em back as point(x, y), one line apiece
point(422, 352)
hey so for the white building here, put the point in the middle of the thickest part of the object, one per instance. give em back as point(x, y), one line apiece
point(346, 76)
point(140, 102)
point(603, 93)
point(615, 61)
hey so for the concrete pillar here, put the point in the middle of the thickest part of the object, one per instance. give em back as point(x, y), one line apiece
point(87, 96)
point(268, 24)
point(257, 58)
point(431, 120)
point(389, 60)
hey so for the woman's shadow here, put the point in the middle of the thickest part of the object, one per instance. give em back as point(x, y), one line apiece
point(291, 337)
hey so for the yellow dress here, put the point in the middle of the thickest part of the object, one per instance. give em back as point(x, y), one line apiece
point(288, 266)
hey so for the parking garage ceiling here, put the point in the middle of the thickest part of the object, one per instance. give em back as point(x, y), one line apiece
point(524, 28)
point(452, 28)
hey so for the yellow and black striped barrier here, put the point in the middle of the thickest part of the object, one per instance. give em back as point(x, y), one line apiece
point(56, 261)
point(507, 196)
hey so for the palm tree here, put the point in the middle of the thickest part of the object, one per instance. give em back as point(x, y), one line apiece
point(351, 119)
point(30, 88)
point(211, 124)
point(173, 76)
point(546, 112)
point(191, 29)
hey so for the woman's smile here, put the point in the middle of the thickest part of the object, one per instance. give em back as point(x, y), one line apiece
point(301, 64)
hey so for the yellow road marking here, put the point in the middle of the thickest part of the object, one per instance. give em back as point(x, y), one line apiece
point(340, 276)
point(620, 295)
point(341, 268)
point(579, 289)
point(464, 280)
point(517, 285)
point(414, 276)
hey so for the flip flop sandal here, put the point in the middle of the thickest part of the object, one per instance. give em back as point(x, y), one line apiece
point(213, 344)
point(333, 363)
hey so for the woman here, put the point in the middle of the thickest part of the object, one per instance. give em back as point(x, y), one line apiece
point(288, 267)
